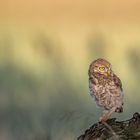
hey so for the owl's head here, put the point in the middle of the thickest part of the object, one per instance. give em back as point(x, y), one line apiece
point(100, 66)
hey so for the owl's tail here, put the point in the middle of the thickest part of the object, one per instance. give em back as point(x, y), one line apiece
point(119, 110)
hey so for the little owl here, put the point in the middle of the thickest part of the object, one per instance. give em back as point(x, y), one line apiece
point(105, 87)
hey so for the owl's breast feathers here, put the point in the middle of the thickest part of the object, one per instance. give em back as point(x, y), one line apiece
point(117, 82)
point(110, 82)
point(107, 91)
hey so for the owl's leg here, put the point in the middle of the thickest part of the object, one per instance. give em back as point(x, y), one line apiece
point(106, 114)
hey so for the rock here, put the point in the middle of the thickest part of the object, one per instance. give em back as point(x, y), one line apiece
point(114, 130)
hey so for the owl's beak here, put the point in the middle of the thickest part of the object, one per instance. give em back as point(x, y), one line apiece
point(108, 72)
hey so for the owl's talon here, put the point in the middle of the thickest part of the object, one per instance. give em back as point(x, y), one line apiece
point(102, 120)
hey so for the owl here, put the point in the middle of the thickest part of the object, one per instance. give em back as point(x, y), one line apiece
point(105, 87)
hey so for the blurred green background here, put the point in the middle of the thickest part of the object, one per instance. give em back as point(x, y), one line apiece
point(45, 50)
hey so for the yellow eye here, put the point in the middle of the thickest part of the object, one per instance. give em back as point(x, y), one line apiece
point(102, 68)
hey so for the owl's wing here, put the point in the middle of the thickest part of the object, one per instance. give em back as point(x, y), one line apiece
point(117, 82)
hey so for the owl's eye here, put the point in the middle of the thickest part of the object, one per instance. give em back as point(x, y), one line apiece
point(102, 68)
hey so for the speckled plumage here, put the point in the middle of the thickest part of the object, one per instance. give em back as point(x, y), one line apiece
point(105, 87)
